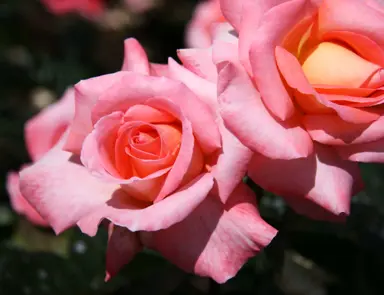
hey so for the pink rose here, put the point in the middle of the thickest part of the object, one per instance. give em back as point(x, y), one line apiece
point(88, 8)
point(151, 156)
point(42, 132)
point(202, 27)
point(302, 88)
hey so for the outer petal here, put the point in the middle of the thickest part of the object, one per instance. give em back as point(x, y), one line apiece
point(232, 163)
point(19, 203)
point(233, 10)
point(331, 130)
point(140, 217)
point(44, 130)
point(353, 16)
point(123, 245)
point(204, 89)
point(135, 58)
point(319, 186)
point(215, 240)
point(62, 190)
point(369, 152)
point(199, 61)
point(258, 47)
point(87, 93)
point(198, 30)
point(246, 117)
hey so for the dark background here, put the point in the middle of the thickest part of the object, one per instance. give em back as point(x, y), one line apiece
point(40, 55)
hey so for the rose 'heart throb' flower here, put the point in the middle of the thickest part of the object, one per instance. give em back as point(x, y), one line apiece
point(153, 158)
point(310, 73)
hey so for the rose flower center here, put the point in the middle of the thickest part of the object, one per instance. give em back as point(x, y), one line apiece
point(334, 64)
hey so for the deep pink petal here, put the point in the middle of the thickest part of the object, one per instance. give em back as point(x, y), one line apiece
point(123, 245)
point(62, 190)
point(145, 217)
point(319, 186)
point(135, 58)
point(44, 130)
point(246, 117)
point(215, 240)
point(370, 152)
point(19, 203)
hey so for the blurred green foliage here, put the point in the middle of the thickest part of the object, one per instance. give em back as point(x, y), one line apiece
point(40, 56)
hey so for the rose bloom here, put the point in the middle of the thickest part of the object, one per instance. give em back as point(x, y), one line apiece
point(300, 83)
point(88, 8)
point(42, 132)
point(203, 25)
point(153, 158)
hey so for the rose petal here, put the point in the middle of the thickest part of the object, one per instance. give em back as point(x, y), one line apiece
point(19, 203)
point(370, 152)
point(62, 190)
point(123, 245)
point(257, 47)
point(353, 16)
point(331, 130)
point(215, 240)
point(199, 61)
point(138, 217)
point(320, 186)
point(231, 165)
point(87, 93)
point(135, 58)
point(246, 117)
point(44, 130)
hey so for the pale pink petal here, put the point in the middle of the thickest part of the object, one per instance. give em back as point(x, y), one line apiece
point(231, 164)
point(203, 88)
point(370, 152)
point(87, 92)
point(135, 58)
point(159, 70)
point(215, 240)
point(246, 117)
point(332, 130)
point(123, 245)
point(233, 10)
point(353, 16)
point(198, 33)
point(257, 42)
point(62, 190)
point(44, 130)
point(19, 203)
point(320, 186)
point(199, 61)
point(144, 217)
